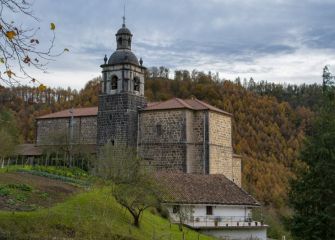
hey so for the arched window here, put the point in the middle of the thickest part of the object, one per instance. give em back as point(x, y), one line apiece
point(129, 42)
point(114, 83)
point(119, 41)
point(136, 84)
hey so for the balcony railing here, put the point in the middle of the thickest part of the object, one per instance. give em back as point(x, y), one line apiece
point(221, 222)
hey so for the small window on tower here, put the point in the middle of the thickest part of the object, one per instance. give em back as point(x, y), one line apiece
point(159, 129)
point(119, 41)
point(129, 42)
point(114, 83)
point(136, 84)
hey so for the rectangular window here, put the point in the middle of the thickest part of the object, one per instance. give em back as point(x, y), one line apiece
point(137, 84)
point(209, 210)
point(176, 209)
point(159, 129)
point(114, 83)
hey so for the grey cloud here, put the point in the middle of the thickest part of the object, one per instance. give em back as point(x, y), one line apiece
point(220, 34)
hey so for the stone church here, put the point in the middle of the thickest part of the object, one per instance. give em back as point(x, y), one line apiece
point(177, 135)
point(188, 141)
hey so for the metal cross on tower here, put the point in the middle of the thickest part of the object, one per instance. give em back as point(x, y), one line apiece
point(124, 15)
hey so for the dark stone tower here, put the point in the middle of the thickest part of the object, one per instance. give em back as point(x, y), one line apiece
point(122, 94)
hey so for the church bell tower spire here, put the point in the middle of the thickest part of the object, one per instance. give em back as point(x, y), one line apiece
point(122, 93)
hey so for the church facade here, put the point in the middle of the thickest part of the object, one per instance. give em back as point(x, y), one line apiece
point(176, 135)
point(187, 141)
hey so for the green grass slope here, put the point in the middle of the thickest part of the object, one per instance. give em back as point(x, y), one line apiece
point(90, 214)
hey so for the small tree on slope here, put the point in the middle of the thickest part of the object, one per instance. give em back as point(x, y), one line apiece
point(133, 187)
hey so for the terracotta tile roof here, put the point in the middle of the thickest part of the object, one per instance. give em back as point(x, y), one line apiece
point(185, 188)
point(173, 103)
point(77, 112)
point(177, 103)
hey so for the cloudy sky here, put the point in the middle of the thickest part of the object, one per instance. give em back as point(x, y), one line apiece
point(279, 40)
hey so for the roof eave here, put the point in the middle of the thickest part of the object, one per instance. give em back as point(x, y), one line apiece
point(212, 203)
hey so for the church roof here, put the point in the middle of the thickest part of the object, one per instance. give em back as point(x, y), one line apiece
point(174, 103)
point(123, 56)
point(77, 112)
point(123, 30)
point(182, 188)
point(177, 103)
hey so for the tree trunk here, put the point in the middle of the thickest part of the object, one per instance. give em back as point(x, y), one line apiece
point(137, 221)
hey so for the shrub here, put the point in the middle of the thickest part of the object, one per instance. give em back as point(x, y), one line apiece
point(4, 191)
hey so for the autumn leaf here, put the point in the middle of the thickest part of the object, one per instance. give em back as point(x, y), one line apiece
point(10, 35)
point(52, 26)
point(42, 87)
point(26, 59)
point(9, 73)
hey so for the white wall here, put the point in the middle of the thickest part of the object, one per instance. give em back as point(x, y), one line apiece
point(238, 234)
point(232, 225)
point(238, 212)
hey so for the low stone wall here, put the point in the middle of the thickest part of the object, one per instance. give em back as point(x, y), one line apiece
point(53, 130)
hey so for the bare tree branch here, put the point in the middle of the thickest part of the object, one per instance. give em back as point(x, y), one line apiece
point(19, 46)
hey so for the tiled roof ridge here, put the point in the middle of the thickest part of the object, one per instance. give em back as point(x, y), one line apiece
point(181, 101)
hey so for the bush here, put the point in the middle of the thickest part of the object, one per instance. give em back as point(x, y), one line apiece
point(4, 191)
point(22, 187)
point(62, 171)
point(56, 177)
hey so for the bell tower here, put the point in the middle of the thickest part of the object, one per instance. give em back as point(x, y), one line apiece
point(122, 93)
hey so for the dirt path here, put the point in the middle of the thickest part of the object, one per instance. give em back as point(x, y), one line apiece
point(23, 191)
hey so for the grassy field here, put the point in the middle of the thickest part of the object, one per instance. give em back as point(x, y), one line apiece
point(87, 212)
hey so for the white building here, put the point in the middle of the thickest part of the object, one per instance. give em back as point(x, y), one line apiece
point(211, 204)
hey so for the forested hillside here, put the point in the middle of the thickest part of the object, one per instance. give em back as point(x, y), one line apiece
point(267, 130)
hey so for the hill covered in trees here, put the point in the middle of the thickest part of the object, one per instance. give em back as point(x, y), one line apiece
point(269, 120)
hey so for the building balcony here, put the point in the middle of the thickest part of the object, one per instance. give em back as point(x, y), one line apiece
point(207, 222)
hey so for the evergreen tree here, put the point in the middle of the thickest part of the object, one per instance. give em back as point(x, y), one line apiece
point(313, 193)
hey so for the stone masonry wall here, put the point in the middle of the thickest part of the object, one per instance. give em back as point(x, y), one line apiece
point(84, 130)
point(237, 170)
point(196, 150)
point(162, 138)
point(118, 118)
point(220, 145)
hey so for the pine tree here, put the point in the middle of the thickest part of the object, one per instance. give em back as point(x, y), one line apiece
point(313, 193)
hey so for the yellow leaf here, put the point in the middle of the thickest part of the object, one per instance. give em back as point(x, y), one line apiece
point(66, 50)
point(10, 34)
point(52, 26)
point(42, 87)
point(9, 73)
